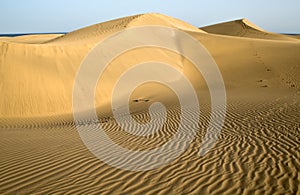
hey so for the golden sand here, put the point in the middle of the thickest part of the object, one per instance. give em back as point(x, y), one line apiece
point(257, 151)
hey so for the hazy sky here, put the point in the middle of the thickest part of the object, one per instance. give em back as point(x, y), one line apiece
point(23, 16)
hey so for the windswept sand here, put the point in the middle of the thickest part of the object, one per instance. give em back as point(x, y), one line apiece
point(257, 151)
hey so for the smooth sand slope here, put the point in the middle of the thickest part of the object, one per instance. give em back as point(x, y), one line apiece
point(257, 151)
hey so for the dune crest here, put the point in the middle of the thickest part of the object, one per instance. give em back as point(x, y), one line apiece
point(249, 24)
point(96, 32)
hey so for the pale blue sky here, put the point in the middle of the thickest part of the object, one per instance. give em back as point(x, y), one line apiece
point(20, 16)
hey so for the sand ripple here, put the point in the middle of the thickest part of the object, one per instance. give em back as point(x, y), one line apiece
point(257, 152)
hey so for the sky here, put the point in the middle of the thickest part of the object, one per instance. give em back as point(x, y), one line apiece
point(40, 16)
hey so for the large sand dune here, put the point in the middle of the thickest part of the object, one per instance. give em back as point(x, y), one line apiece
point(257, 151)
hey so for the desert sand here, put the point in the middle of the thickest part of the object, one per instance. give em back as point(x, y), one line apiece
point(257, 151)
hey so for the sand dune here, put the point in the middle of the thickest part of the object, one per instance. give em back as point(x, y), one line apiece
point(49, 80)
point(34, 39)
point(244, 28)
point(257, 151)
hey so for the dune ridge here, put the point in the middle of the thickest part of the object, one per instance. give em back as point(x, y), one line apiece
point(96, 32)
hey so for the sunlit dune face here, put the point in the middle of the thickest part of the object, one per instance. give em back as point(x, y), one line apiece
point(154, 92)
point(146, 94)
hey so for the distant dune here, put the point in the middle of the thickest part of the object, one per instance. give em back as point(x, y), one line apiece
point(257, 151)
point(244, 28)
point(35, 38)
point(297, 36)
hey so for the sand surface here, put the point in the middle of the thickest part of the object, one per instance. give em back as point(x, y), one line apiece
point(257, 151)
